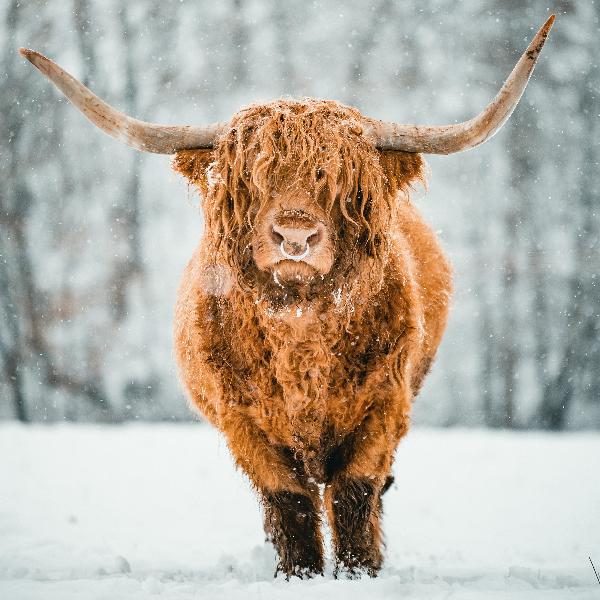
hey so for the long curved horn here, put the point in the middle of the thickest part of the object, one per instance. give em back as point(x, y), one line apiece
point(148, 137)
point(446, 139)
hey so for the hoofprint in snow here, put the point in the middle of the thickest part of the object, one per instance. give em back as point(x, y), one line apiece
point(140, 511)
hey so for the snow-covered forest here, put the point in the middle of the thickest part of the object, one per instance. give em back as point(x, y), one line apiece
point(94, 235)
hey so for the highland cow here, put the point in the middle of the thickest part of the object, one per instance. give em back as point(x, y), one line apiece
point(315, 304)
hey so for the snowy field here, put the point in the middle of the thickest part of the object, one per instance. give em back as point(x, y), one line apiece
point(159, 511)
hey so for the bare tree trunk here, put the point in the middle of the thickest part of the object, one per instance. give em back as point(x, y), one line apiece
point(12, 347)
point(281, 22)
point(540, 307)
point(486, 372)
point(14, 375)
point(509, 354)
point(127, 215)
point(362, 46)
point(83, 25)
point(239, 39)
point(523, 164)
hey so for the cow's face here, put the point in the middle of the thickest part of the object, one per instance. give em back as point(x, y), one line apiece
point(293, 239)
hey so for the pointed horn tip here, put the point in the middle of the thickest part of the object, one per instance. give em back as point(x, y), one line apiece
point(30, 55)
point(546, 27)
point(538, 41)
point(548, 24)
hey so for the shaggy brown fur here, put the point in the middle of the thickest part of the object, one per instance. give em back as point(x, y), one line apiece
point(311, 383)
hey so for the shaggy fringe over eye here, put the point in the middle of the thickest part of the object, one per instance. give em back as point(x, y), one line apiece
point(316, 145)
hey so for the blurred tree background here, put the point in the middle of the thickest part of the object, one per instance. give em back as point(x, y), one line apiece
point(94, 235)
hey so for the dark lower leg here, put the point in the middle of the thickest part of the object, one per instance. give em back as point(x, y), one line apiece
point(292, 525)
point(389, 481)
point(354, 506)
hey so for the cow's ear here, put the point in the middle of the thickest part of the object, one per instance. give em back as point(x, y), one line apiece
point(193, 165)
point(402, 169)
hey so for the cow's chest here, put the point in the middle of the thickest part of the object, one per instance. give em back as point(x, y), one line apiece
point(305, 379)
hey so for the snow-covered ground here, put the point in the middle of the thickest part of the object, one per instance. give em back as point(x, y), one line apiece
point(143, 511)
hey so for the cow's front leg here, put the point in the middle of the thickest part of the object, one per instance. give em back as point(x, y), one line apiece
point(290, 502)
point(359, 474)
point(354, 509)
point(292, 525)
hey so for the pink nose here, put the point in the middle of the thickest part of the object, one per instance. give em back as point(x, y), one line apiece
point(295, 241)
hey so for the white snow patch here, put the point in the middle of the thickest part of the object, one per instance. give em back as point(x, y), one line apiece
point(155, 510)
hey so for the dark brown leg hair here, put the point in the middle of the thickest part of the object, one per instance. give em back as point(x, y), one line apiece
point(389, 481)
point(354, 514)
point(292, 525)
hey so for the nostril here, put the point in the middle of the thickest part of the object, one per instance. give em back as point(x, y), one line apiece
point(276, 236)
point(313, 239)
